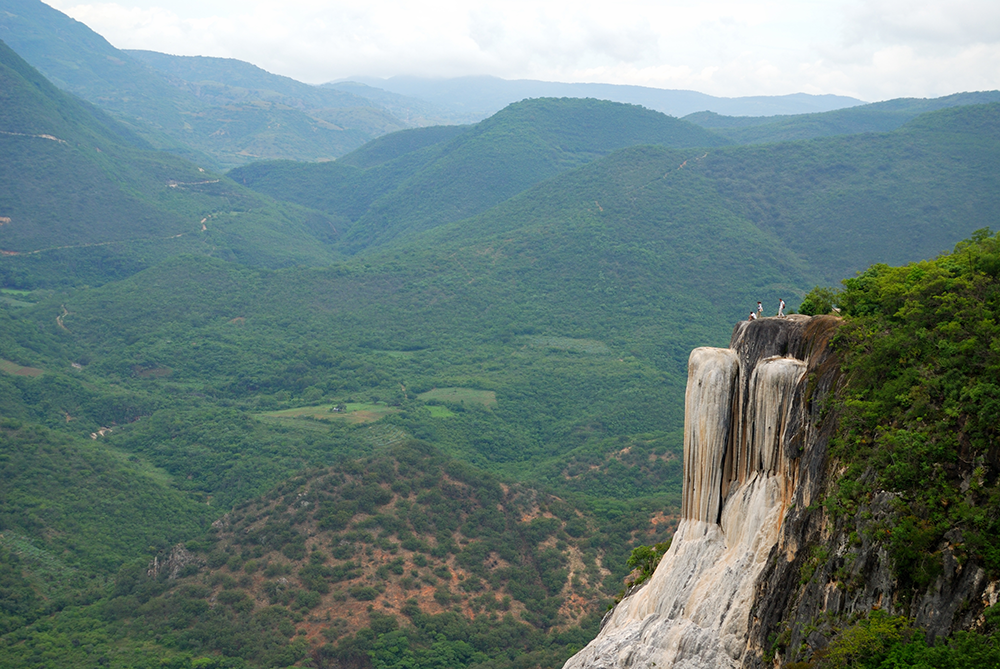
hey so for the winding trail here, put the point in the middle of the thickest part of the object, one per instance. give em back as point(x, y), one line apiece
point(59, 318)
point(24, 134)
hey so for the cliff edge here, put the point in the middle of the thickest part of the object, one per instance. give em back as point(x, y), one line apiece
point(757, 570)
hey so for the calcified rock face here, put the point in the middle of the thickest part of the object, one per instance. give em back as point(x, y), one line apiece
point(744, 428)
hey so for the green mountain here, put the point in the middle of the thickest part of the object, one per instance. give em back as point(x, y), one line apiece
point(224, 80)
point(348, 187)
point(227, 122)
point(404, 554)
point(832, 205)
point(486, 396)
point(466, 174)
point(83, 199)
point(876, 117)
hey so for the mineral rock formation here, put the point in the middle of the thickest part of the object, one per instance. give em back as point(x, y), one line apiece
point(745, 425)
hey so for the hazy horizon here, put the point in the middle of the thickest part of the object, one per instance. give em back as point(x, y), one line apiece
point(867, 50)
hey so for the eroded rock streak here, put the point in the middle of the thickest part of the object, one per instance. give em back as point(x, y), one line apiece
point(742, 438)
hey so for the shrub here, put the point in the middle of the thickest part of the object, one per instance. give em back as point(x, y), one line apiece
point(818, 301)
point(363, 593)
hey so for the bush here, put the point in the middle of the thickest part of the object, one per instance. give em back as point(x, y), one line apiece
point(818, 301)
point(363, 593)
point(646, 559)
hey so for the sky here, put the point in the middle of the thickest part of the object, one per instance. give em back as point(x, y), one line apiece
point(872, 50)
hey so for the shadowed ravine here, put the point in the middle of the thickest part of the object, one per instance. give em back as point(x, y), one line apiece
point(746, 427)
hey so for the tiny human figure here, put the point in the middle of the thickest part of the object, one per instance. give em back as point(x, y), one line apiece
point(753, 316)
point(781, 308)
point(760, 308)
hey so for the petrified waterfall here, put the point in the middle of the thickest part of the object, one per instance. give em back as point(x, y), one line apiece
point(743, 433)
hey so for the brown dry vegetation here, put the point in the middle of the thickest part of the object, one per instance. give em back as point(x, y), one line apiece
point(337, 544)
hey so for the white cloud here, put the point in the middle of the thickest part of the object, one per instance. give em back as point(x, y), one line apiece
point(872, 49)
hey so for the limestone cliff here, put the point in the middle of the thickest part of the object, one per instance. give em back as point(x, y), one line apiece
point(756, 566)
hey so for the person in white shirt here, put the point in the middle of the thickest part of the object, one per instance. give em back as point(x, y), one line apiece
point(781, 308)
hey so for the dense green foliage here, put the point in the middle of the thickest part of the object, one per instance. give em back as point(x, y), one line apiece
point(819, 301)
point(920, 405)
point(881, 641)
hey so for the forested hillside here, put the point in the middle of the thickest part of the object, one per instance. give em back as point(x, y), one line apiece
point(463, 175)
point(832, 205)
point(416, 407)
point(84, 200)
point(903, 526)
point(229, 115)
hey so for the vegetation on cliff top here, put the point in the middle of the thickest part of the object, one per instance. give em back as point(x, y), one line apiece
point(920, 405)
point(916, 451)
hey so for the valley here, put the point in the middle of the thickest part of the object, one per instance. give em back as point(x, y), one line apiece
point(416, 406)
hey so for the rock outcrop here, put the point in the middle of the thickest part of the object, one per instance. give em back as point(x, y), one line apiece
point(757, 569)
point(741, 452)
point(179, 558)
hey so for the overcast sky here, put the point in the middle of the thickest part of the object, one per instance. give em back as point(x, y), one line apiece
point(873, 50)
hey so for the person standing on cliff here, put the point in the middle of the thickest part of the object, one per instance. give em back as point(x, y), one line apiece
point(760, 309)
point(781, 308)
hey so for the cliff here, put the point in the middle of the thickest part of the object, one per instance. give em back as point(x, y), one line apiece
point(759, 573)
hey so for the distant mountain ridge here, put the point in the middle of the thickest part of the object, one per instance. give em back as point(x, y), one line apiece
point(473, 98)
point(875, 117)
point(217, 123)
point(224, 112)
point(203, 73)
point(832, 201)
